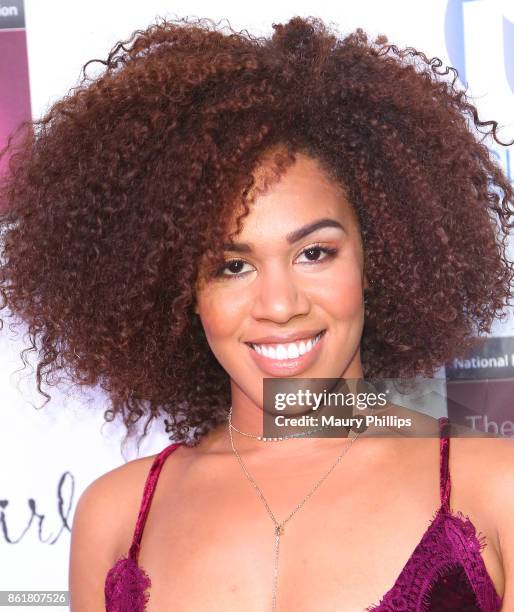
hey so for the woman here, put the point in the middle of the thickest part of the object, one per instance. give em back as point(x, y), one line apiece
point(210, 195)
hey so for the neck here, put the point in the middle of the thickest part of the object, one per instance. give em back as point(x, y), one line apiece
point(218, 441)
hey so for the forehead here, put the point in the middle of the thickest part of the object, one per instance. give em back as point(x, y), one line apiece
point(287, 194)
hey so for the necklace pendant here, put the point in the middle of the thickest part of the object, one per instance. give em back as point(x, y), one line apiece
point(279, 530)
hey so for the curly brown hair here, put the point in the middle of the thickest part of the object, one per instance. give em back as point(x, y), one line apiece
point(114, 196)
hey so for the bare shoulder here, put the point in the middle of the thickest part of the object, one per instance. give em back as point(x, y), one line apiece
point(112, 501)
point(486, 463)
point(482, 475)
point(103, 523)
point(490, 462)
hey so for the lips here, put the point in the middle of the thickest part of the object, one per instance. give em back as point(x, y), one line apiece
point(288, 366)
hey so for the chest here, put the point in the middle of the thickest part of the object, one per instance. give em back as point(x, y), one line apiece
point(209, 540)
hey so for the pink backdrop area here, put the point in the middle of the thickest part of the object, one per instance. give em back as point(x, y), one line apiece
point(14, 84)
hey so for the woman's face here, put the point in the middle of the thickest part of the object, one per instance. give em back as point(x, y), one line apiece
point(281, 284)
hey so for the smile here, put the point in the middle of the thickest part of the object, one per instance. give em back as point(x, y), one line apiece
point(287, 359)
point(290, 350)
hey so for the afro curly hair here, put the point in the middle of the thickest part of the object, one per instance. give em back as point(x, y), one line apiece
point(114, 196)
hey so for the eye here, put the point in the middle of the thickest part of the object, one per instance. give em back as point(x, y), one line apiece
point(316, 249)
point(235, 265)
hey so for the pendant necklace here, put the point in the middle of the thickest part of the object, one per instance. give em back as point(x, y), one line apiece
point(279, 527)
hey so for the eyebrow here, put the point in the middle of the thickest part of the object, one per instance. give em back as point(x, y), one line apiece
point(292, 237)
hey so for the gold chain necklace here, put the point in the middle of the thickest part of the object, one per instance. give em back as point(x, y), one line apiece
point(279, 527)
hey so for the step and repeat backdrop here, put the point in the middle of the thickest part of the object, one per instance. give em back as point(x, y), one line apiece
point(49, 455)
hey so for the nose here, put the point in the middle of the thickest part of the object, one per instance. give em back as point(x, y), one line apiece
point(279, 296)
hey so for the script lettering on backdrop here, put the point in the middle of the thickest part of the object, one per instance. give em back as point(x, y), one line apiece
point(50, 525)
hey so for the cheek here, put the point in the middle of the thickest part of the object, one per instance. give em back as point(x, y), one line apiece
point(220, 317)
point(343, 295)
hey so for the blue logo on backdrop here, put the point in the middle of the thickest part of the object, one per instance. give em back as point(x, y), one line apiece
point(455, 37)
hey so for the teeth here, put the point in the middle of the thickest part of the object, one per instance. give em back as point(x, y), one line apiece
point(291, 350)
point(281, 351)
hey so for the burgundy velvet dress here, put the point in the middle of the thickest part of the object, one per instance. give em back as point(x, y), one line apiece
point(445, 572)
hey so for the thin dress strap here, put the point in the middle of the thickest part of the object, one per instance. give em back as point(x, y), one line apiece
point(150, 484)
point(444, 446)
